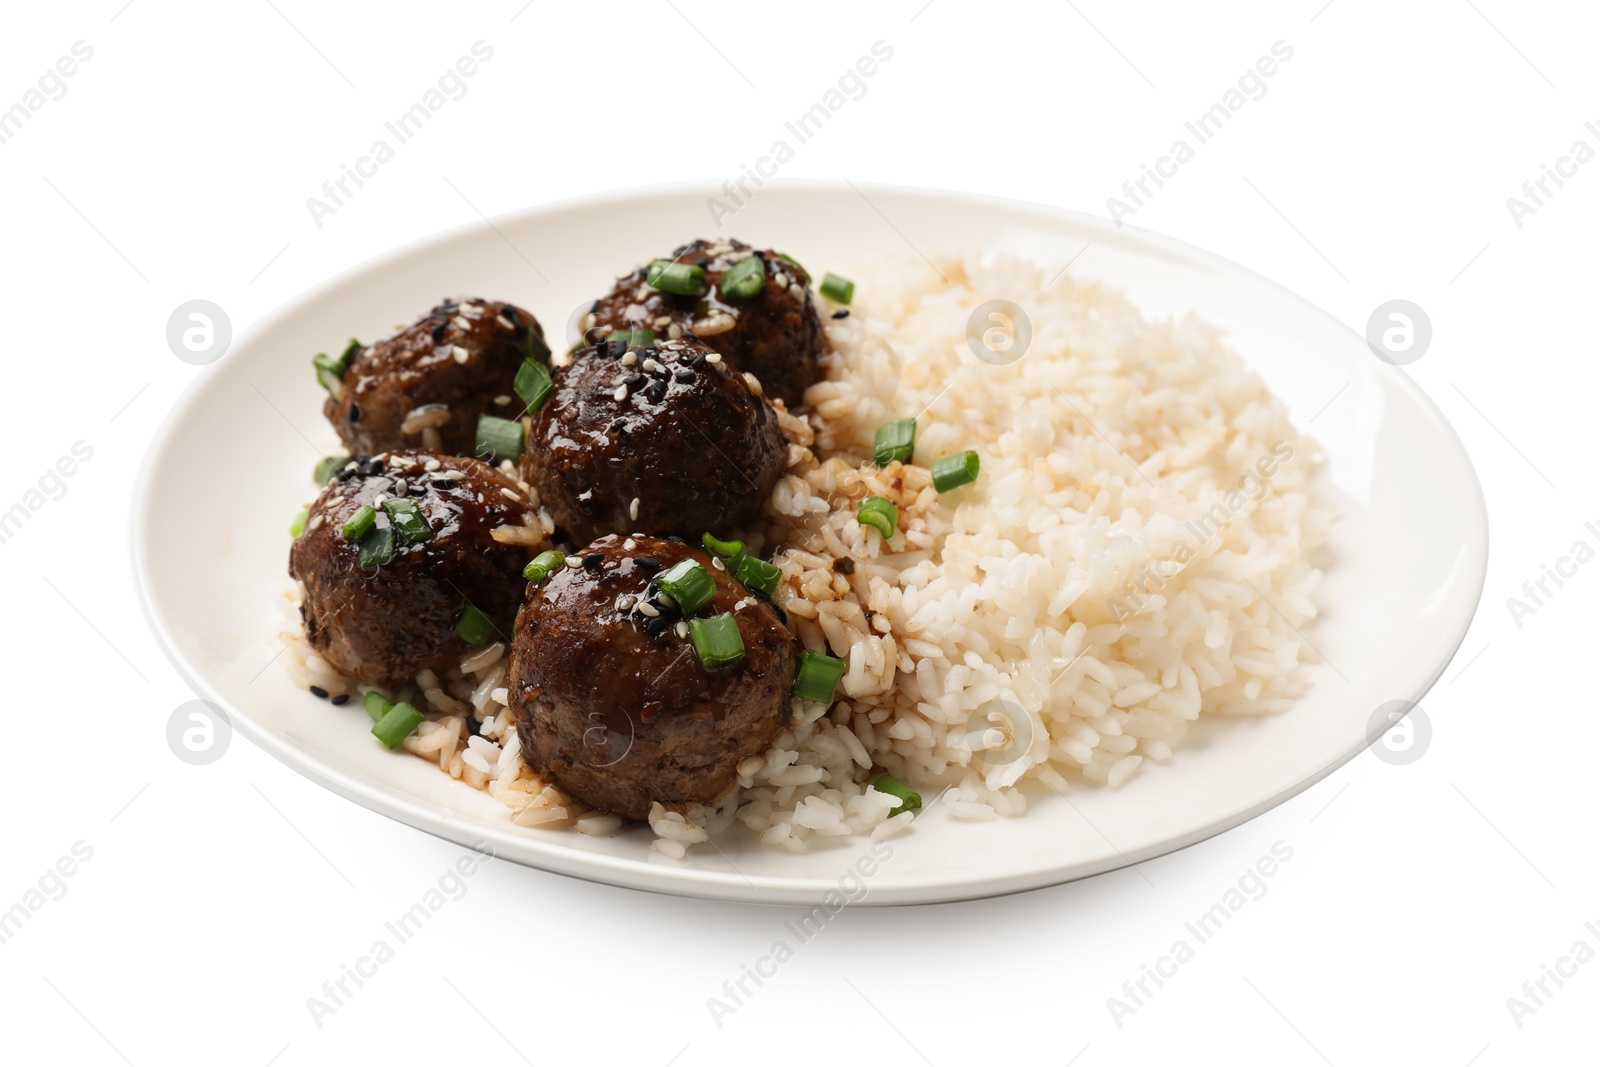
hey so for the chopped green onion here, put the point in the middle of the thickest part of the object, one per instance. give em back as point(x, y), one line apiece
point(880, 514)
point(542, 565)
point(474, 627)
point(731, 553)
point(324, 471)
point(378, 705)
point(632, 338)
point(744, 279)
point(910, 799)
point(377, 547)
point(532, 384)
point(498, 438)
point(396, 724)
point(717, 641)
point(410, 524)
point(351, 351)
point(758, 574)
point(330, 373)
point(683, 279)
point(817, 676)
point(357, 525)
point(533, 347)
point(838, 289)
point(689, 584)
point(298, 526)
point(957, 470)
point(894, 440)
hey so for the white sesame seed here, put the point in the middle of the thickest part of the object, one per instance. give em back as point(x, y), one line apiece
point(510, 494)
point(633, 509)
point(674, 331)
point(630, 544)
point(508, 466)
point(462, 324)
point(652, 366)
point(663, 321)
point(335, 501)
point(627, 602)
point(315, 523)
point(647, 608)
point(503, 399)
point(682, 629)
point(431, 465)
point(753, 383)
point(470, 309)
point(505, 322)
point(629, 359)
point(378, 500)
point(621, 393)
point(400, 487)
point(461, 354)
point(715, 357)
point(574, 561)
point(781, 280)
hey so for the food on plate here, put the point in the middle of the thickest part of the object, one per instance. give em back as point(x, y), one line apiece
point(754, 306)
point(664, 437)
point(642, 672)
point(960, 562)
point(408, 560)
point(428, 385)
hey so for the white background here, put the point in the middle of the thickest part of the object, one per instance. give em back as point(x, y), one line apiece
point(218, 899)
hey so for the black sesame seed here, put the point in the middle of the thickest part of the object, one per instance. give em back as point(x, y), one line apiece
point(845, 565)
point(698, 359)
point(842, 313)
point(783, 616)
point(615, 426)
point(442, 483)
point(618, 348)
point(675, 537)
point(511, 313)
point(684, 375)
point(594, 306)
point(319, 692)
point(438, 332)
point(703, 261)
point(633, 379)
point(355, 412)
point(657, 391)
point(655, 626)
point(474, 725)
point(648, 564)
point(593, 560)
point(342, 698)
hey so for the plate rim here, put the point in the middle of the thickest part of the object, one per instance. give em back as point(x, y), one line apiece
point(699, 882)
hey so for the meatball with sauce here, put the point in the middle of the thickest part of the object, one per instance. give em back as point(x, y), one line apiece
point(752, 305)
point(427, 385)
point(665, 437)
point(612, 699)
point(394, 550)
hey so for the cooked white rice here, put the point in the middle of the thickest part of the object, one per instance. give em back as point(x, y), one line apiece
point(1138, 551)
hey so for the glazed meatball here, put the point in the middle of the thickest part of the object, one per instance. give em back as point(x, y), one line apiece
point(665, 438)
point(774, 334)
point(426, 385)
point(382, 621)
point(611, 699)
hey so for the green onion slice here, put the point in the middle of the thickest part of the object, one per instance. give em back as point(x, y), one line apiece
point(894, 440)
point(838, 289)
point(357, 525)
point(880, 514)
point(744, 279)
point(543, 565)
point(533, 347)
point(298, 526)
point(330, 371)
point(532, 384)
point(396, 724)
point(758, 574)
point(324, 471)
point(498, 438)
point(632, 338)
point(689, 584)
point(378, 705)
point(410, 524)
point(949, 472)
point(717, 641)
point(682, 279)
point(817, 676)
point(910, 799)
point(723, 550)
point(474, 627)
point(376, 548)
point(805, 275)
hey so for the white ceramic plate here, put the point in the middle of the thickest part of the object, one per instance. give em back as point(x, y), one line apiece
point(230, 468)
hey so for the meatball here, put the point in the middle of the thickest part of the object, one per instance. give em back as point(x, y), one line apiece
point(611, 700)
point(665, 438)
point(774, 334)
point(457, 362)
point(383, 622)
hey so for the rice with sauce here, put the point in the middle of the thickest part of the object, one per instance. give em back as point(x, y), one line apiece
point(1138, 551)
